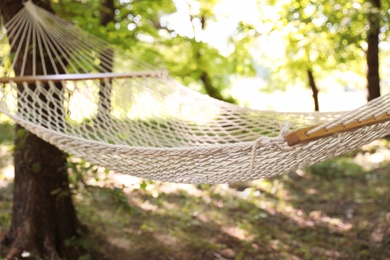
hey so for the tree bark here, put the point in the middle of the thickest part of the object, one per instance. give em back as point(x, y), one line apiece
point(373, 79)
point(107, 15)
point(107, 12)
point(208, 85)
point(43, 214)
point(314, 89)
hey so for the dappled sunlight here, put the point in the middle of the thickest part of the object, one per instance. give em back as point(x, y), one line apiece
point(313, 213)
point(148, 206)
point(166, 239)
point(303, 219)
point(6, 166)
point(373, 155)
point(6, 175)
point(335, 223)
point(298, 216)
point(134, 102)
point(119, 242)
point(5, 119)
point(238, 233)
point(381, 230)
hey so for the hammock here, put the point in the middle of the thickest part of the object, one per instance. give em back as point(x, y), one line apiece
point(98, 103)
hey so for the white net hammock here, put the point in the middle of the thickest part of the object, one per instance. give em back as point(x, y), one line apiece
point(84, 96)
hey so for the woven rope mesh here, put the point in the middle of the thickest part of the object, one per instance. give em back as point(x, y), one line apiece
point(102, 105)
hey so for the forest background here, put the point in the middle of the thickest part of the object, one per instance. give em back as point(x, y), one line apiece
point(283, 55)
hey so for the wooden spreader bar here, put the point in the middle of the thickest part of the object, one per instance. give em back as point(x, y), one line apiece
point(301, 135)
point(78, 77)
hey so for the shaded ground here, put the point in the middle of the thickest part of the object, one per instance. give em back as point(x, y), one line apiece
point(334, 210)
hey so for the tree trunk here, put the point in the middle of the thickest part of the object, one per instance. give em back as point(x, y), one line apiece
point(208, 85)
point(373, 80)
point(43, 214)
point(107, 15)
point(204, 76)
point(107, 12)
point(314, 89)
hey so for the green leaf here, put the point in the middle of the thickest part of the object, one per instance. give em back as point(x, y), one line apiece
point(36, 167)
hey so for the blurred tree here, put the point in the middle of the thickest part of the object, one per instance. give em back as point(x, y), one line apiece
point(138, 28)
point(133, 26)
point(325, 36)
point(107, 15)
point(194, 60)
point(374, 24)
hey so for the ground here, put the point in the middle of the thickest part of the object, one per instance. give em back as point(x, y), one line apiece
point(338, 209)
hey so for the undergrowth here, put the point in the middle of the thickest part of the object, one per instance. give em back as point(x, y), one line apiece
point(337, 209)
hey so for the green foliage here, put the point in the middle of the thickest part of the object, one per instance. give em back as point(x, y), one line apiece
point(144, 184)
point(36, 167)
point(190, 58)
point(83, 173)
point(81, 241)
point(80, 171)
point(21, 133)
point(5, 204)
point(340, 168)
point(5, 218)
point(7, 133)
point(326, 36)
point(138, 28)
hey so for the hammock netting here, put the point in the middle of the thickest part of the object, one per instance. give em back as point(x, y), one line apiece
point(100, 104)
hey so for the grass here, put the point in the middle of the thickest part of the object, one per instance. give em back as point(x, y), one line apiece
point(338, 209)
